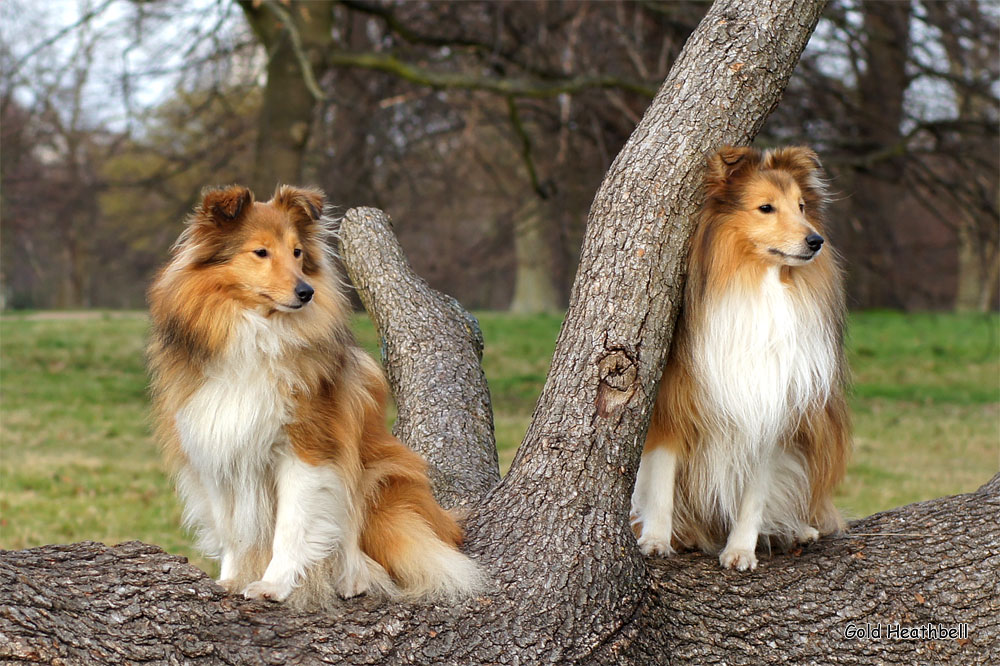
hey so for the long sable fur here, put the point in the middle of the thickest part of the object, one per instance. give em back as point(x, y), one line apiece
point(207, 310)
point(721, 265)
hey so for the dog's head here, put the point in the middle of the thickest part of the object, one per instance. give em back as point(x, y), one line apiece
point(772, 200)
point(267, 251)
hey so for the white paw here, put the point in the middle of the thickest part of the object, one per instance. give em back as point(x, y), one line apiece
point(740, 559)
point(267, 590)
point(807, 534)
point(655, 545)
point(355, 579)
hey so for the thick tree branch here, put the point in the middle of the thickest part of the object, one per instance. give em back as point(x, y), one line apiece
point(89, 603)
point(932, 563)
point(432, 350)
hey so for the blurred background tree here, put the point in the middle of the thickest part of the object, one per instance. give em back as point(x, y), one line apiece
point(483, 128)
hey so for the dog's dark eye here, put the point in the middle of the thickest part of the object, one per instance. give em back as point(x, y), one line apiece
point(297, 252)
point(766, 208)
point(802, 207)
point(260, 252)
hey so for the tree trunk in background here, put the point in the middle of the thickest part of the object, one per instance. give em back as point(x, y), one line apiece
point(882, 88)
point(975, 228)
point(286, 114)
point(569, 585)
point(534, 284)
point(538, 238)
point(978, 269)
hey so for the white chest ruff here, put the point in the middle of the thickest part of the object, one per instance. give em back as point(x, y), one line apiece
point(229, 426)
point(760, 360)
point(231, 431)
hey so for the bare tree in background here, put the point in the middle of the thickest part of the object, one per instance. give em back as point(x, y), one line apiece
point(93, 183)
point(959, 183)
point(53, 126)
point(901, 101)
point(520, 105)
point(525, 64)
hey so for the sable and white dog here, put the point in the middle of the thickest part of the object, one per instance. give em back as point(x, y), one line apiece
point(274, 419)
point(750, 432)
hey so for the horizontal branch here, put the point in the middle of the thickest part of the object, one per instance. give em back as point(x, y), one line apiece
point(510, 87)
point(933, 563)
point(399, 27)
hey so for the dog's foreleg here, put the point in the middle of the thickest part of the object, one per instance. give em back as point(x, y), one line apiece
point(310, 523)
point(653, 500)
point(741, 546)
point(206, 512)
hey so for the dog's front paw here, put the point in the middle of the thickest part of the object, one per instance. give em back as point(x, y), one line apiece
point(267, 591)
point(655, 545)
point(740, 559)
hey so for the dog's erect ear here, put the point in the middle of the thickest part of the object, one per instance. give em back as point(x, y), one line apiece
point(794, 159)
point(303, 204)
point(804, 166)
point(729, 162)
point(225, 206)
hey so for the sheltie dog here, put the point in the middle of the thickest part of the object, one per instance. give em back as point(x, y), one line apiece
point(750, 434)
point(274, 419)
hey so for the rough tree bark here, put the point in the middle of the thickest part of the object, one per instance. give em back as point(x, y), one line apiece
point(433, 361)
point(569, 583)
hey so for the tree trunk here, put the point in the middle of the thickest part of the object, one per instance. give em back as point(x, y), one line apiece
point(534, 286)
point(975, 226)
point(569, 585)
point(286, 113)
point(978, 268)
point(874, 200)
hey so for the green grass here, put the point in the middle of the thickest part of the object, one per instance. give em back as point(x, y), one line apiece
point(926, 407)
point(77, 460)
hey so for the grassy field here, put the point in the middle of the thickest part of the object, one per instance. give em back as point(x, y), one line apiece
point(77, 461)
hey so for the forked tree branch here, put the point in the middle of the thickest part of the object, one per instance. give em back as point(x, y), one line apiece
point(571, 480)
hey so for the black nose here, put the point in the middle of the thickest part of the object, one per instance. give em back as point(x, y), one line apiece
point(814, 241)
point(305, 292)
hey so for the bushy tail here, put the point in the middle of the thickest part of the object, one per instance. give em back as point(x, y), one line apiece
point(405, 530)
point(417, 542)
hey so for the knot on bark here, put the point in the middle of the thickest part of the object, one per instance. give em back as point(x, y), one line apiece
point(617, 373)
